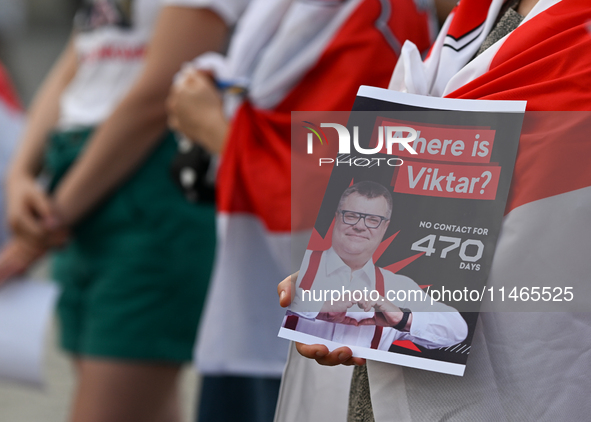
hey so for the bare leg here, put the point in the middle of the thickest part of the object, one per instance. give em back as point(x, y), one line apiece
point(121, 391)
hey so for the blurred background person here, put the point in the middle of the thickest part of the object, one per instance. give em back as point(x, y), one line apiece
point(286, 55)
point(11, 122)
point(137, 259)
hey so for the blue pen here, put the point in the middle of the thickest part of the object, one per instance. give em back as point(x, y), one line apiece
point(230, 87)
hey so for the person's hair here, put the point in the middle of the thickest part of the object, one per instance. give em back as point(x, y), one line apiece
point(370, 190)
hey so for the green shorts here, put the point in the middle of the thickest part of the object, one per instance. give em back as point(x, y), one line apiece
point(135, 275)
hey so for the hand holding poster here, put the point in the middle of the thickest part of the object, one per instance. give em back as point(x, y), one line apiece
point(397, 264)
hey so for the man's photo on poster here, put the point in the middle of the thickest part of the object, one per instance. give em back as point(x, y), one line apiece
point(341, 296)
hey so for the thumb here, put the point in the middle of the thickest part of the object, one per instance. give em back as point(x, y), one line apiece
point(43, 207)
point(284, 291)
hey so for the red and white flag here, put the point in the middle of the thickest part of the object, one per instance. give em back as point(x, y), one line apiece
point(523, 366)
point(290, 55)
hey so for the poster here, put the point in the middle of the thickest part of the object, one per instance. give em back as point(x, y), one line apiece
point(403, 242)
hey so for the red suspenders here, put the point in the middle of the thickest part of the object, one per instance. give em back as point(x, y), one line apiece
point(310, 275)
point(292, 320)
point(377, 335)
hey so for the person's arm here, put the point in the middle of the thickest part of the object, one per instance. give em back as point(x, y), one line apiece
point(126, 138)
point(29, 212)
point(437, 329)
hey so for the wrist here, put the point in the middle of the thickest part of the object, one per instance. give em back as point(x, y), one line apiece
point(214, 134)
point(404, 322)
point(62, 219)
point(22, 166)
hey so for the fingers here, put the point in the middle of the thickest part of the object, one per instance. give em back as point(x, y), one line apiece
point(312, 351)
point(337, 317)
point(354, 361)
point(28, 226)
point(48, 233)
point(187, 72)
point(16, 257)
point(336, 306)
point(386, 306)
point(195, 108)
point(42, 206)
point(367, 321)
point(31, 212)
point(172, 111)
point(208, 74)
point(173, 121)
point(350, 321)
point(195, 80)
point(203, 79)
point(366, 306)
point(9, 267)
point(320, 353)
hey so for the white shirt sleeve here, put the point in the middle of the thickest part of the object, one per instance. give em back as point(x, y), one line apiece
point(437, 329)
point(434, 324)
point(228, 10)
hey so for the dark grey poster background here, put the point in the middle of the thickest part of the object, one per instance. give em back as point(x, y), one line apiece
point(409, 209)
